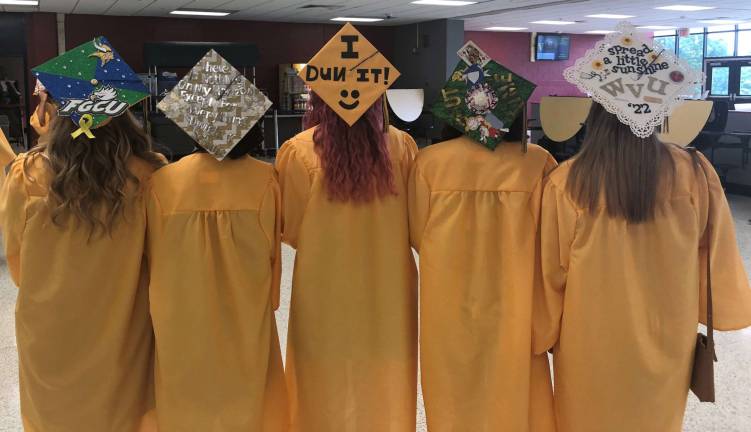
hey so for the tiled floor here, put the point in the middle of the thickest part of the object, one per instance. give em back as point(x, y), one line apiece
point(732, 412)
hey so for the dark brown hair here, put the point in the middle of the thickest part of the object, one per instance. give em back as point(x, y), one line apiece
point(89, 177)
point(355, 159)
point(618, 169)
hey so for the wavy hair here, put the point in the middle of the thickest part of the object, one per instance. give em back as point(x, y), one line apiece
point(90, 177)
point(355, 160)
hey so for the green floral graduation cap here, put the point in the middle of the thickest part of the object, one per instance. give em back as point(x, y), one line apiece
point(91, 83)
point(482, 98)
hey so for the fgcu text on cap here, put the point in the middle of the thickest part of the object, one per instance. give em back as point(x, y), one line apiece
point(100, 101)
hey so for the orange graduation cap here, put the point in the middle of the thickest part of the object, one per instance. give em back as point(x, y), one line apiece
point(349, 74)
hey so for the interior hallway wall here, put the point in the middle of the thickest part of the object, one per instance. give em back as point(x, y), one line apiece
point(277, 42)
point(425, 54)
point(512, 49)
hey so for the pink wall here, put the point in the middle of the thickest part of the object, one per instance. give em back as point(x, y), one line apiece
point(513, 51)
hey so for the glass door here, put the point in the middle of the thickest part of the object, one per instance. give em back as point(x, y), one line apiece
point(730, 81)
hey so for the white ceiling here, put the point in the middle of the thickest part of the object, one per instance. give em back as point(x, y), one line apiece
point(512, 13)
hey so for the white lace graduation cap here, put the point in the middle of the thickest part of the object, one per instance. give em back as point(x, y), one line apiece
point(630, 77)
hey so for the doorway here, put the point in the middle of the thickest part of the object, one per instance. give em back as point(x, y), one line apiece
point(729, 81)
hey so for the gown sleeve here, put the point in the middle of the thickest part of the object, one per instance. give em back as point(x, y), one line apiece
point(271, 223)
point(408, 154)
point(40, 129)
point(13, 200)
point(294, 183)
point(6, 152)
point(731, 294)
point(418, 198)
point(557, 228)
point(153, 218)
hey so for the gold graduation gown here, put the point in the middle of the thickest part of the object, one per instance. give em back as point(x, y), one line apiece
point(50, 114)
point(82, 316)
point(622, 301)
point(6, 155)
point(214, 248)
point(352, 345)
point(474, 218)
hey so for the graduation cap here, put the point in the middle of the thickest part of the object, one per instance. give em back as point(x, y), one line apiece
point(633, 78)
point(349, 74)
point(91, 83)
point(215, 104)
point(482, 98)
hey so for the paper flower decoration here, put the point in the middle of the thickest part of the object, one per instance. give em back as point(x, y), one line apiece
point(483, 98)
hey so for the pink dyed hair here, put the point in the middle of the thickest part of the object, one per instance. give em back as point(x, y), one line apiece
point(355, 160)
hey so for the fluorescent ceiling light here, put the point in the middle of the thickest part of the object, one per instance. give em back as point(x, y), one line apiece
point(444, 2)
point(356, 19)
point(721, 21)
point(600, 31)
point(505, 28)
point(20, 2)
point(685, 8)
point(199, 12)
point(656, 27)
point(610, 16)
point(553, 22)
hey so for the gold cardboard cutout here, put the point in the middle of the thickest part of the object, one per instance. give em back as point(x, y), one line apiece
point(562, 117)
point(686, 122)
point(349, 74)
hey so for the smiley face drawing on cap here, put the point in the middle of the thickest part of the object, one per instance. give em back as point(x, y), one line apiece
point(349, 74)
point(355, 94)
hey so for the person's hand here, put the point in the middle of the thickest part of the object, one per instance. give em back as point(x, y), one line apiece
point(43, 96)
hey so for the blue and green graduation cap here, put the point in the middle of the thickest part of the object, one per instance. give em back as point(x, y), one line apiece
point(91, 84)
point(482, 98)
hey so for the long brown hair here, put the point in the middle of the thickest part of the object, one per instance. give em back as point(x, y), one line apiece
point(89, 177)
point(355, 160)
point(618, 167)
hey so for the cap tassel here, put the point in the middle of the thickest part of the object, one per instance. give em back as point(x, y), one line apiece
point(386, 121)
point(666, 125)
point(524, 128)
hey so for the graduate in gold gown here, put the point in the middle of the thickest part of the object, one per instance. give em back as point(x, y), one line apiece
point(626, 229)
point(73, 219)
point(352, 344)
point(474, 207)
point(214, 238)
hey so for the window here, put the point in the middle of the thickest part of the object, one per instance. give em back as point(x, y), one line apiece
point(745, 81)
point(691, 48)
point(721, 28)
point(720, 80)
point(721, 44)
point(667, 42)
point(744, 43)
